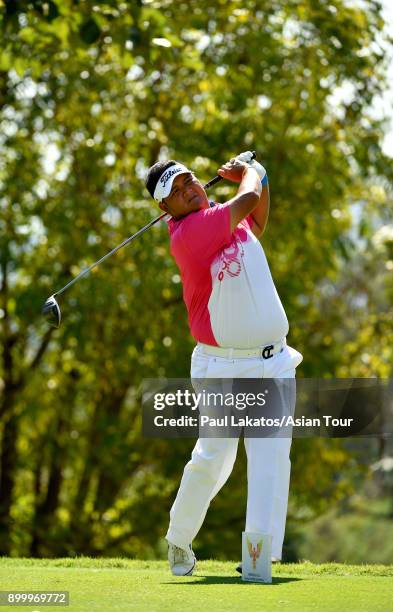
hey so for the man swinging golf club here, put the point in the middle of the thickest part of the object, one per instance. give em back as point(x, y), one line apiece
point(239, 324)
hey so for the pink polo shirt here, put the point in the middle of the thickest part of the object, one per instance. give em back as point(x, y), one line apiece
point(227, 285)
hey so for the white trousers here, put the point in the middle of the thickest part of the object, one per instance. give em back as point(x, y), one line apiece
point(212, 460)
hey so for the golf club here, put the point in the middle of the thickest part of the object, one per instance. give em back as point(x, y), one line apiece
point(51, 309)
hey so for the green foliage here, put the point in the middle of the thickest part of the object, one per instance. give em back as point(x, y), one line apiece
point(91, 94)
point(360, 531)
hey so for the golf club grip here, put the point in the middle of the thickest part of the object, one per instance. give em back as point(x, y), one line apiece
point(213, 181)
point(219, 178)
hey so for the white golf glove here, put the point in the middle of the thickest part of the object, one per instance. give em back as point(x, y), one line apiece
point(246, 157)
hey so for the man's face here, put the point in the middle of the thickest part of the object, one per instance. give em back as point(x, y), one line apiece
point(187, 195)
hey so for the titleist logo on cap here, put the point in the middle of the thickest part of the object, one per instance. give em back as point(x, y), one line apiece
point(164, 183)
point(167, 175)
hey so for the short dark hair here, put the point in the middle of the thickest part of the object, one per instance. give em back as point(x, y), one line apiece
point(155, 172)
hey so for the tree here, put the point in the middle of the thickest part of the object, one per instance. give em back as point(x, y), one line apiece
point(91, 95)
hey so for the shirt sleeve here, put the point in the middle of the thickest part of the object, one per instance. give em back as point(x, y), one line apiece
point(207, 231)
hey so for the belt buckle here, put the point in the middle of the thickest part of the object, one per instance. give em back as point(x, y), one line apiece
point(266, 352)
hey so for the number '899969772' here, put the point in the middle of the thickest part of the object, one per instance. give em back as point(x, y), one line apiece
point(41, 598)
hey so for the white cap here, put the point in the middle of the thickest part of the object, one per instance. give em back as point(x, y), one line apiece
point(164, 183)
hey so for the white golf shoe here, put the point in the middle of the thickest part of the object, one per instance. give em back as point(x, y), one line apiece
point(182, 561)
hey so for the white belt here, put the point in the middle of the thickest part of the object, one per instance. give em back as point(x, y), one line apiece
point(265, 352)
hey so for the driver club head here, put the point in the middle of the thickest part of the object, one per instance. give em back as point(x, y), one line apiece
point(51, 311)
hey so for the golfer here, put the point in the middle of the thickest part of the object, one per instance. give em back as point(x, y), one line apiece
point(240, 326)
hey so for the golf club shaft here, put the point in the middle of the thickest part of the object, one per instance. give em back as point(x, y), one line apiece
point(138, 233)
point(212, 182)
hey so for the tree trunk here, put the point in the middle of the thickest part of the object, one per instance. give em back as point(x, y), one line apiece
point(7, 480)
point(45, 510)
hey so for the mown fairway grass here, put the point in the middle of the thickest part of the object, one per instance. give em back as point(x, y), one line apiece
point(119, 584)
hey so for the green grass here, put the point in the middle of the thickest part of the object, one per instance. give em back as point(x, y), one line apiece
point(120, 584)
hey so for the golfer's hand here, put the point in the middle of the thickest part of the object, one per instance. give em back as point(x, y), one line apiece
point(233, 170)
point(247, 158)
